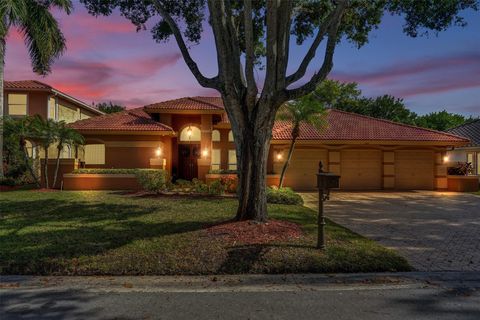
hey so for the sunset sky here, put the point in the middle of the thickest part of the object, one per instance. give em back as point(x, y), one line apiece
point(108, 60)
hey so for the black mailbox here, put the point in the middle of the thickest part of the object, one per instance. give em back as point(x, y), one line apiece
point(327, 180)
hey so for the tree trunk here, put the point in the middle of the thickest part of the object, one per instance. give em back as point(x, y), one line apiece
point(57, 166)
point(287, 162)
point(2, 68)
point(252, 171)
point(27, 162)
point(45, 168)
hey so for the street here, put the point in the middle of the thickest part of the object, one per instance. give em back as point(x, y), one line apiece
point(369, 296)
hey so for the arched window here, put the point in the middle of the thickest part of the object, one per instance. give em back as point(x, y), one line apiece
point(230, 136)
point(66, 152)
point(190, 133)
point(216, 136)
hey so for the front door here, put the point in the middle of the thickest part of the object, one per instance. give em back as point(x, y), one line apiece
point(188, 154)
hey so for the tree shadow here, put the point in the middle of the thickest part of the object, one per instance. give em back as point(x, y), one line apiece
point(33, 239)
point(241, 259)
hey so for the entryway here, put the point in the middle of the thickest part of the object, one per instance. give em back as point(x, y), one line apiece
point(188, 154)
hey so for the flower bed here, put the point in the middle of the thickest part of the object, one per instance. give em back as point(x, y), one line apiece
point(272, 179)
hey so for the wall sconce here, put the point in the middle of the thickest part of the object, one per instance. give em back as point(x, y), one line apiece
point(205, 152)
point(445, 159)
point(158, 152)
point(279, 156)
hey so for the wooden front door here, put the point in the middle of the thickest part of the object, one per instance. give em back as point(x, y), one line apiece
point(188, 154)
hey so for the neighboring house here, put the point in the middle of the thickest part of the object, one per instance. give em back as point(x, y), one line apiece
point(192, 136)
point(31, 97)
point(471, 152)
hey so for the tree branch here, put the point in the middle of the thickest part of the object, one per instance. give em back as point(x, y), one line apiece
point(322, 31)
point(252, 89)
point(327, 62)
point(192, 65)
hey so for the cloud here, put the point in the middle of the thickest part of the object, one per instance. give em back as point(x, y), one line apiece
point(421, 76)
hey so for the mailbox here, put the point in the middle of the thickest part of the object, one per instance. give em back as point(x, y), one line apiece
point(327, 180)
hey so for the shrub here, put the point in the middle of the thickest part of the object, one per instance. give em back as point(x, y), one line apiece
point(7, 181)
point(153, 180)
point(283, 196)
point(230, 183)
point(216, 188)
point(183, 183)
point(199, 186)
point(108, 171)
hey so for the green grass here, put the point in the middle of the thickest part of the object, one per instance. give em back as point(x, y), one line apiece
point(84, 233)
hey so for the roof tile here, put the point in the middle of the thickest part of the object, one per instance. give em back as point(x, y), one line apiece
point(469, 130)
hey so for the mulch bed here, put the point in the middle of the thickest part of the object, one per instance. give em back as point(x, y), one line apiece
point(248, 232)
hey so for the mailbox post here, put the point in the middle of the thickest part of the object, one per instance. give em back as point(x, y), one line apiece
point(325, 182)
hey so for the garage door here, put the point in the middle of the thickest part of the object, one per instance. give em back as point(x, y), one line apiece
point(301, 174)
point(414, 169)
point(361, 170)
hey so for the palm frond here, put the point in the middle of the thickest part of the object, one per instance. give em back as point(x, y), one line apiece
point(43, 37)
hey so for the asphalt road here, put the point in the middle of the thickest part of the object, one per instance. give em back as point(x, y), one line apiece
point(311, 297)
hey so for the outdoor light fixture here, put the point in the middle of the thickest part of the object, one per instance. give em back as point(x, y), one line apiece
point(445, 159)
point(189, 132)
point(205, 152)
point(279, 156)
point(158, 152)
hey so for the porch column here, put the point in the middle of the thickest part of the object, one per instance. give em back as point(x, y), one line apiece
point(205, 160)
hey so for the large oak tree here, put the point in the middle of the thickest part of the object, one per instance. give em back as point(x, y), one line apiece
point(250, 34)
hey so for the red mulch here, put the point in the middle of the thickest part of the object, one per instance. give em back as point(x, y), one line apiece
point(248, 232)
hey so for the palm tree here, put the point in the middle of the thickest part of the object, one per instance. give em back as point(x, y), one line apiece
point(308, 110)
point(65, 136)
point(45, 132)
point(41, 33)
point(21, 130)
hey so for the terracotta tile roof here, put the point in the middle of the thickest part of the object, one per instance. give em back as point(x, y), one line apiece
point(26, 85)
point(129, 120)
point(341, 125)
point(187, 104)
point(469, 130)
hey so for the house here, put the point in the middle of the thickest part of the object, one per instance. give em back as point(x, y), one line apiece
point(470, 152)
point(31, 97)
point(191, 138)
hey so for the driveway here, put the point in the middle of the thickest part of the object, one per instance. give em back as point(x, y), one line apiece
point(435, 231)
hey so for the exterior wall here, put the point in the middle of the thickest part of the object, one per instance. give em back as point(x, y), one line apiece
point(132, 151)
point(66, 166)
point(37, 102)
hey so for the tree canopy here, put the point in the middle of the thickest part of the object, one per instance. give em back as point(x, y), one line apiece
point(252, 34)
point(110, 107)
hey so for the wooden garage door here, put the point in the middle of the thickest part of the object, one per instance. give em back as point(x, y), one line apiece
point(301, 174)
point(414, 169)
point(361, 170)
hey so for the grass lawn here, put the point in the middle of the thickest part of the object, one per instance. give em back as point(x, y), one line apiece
point(92, 232)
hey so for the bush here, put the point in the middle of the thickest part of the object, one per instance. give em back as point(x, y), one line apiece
point(153, 180)
point(108, 171)
point(199, 186)
point(216, 188)
point(230, 183)
point(7, 181)
point(283, 196)
point(183, 184)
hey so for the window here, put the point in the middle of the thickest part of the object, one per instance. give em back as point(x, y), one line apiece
point(52, 108)
point(190, 134)
point(232, 160)
point(478, 163)
point(471, 160)
point(216, 159)
point(95, 154)
point(230, 136)
point(17, 104)
point(215, 136)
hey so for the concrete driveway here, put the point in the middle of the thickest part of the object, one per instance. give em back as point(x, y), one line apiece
point(435, 231)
